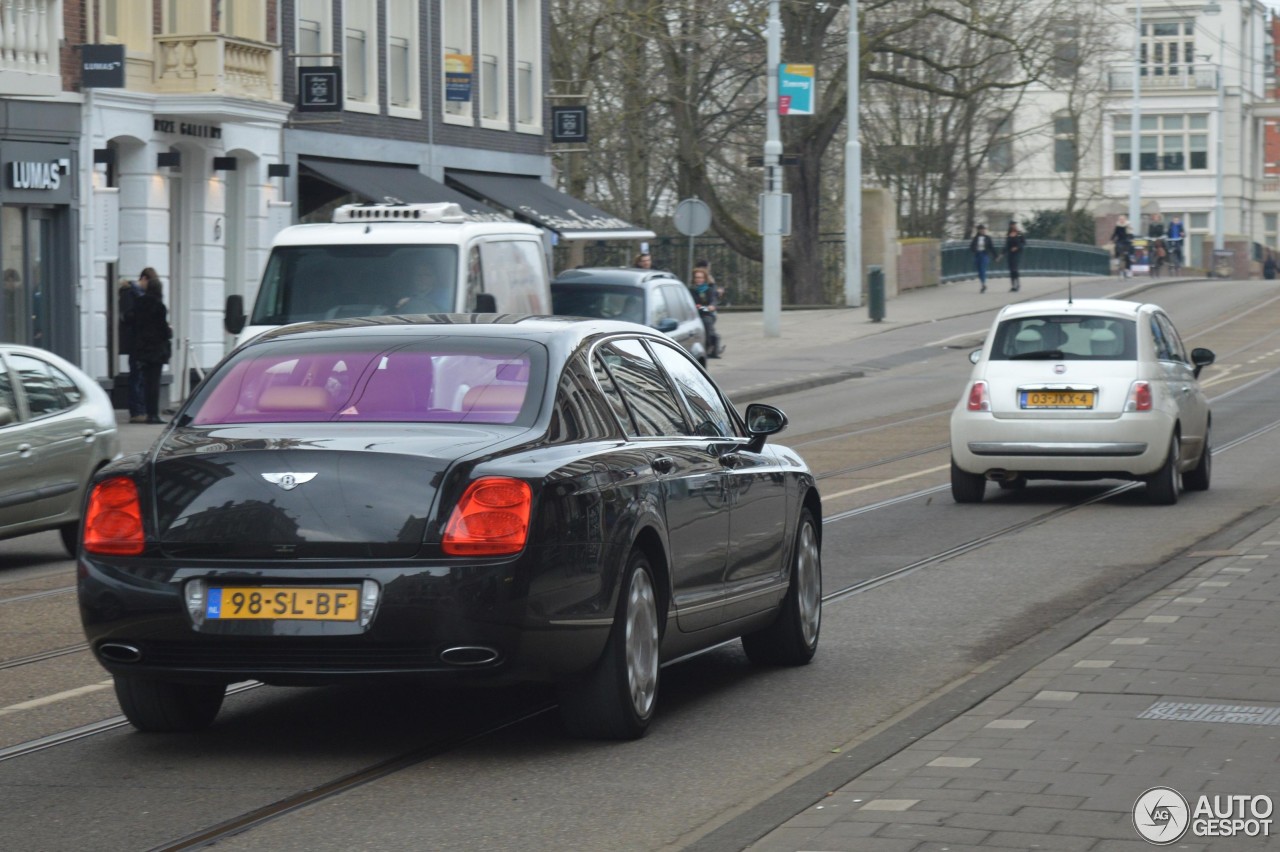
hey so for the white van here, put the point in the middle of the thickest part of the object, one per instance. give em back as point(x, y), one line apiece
point(377, 259)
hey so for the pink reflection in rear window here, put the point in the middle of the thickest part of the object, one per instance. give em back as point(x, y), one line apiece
point(399, 385)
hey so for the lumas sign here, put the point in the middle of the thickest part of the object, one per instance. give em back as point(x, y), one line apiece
point(45, 175)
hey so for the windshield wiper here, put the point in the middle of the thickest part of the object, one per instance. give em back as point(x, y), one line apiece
point(1038, 355)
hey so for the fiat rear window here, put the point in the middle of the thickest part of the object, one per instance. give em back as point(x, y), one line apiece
point(438, 381)
point(1065, 338)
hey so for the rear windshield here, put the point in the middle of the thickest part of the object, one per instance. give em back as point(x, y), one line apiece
point(598, 301)
point(1065, 338)
point(305, 283)
point(436, 380)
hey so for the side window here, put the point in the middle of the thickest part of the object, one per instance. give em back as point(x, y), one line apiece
point(648, 396)
point(44, 396)
point(579, 414)
point(679, 302)
point(7, 399)
point(475, 278)
point(514, 274)
point(611, 393)
point(1163, 351)
point(1171, 336)
point(658, 308)
point(710, 414)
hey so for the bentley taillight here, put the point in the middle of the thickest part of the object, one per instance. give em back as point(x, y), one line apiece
point(113, 521)
point(491, 519)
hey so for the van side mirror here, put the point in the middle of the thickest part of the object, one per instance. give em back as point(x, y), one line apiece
point(666, 325)
point(486, 303)
point(233, 318)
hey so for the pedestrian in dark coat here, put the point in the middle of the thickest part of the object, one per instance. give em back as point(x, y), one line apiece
point(1015, 245)
point(153, 343)
point(1123, 240)
point(126, 299)
point(983, 249)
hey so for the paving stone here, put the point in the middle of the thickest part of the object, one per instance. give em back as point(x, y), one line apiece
point(942, 834)
point(1017, 840)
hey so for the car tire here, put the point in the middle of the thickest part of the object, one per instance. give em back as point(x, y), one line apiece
point(1162, 487)
point(164, 707)
point(792, 639)
point(1197, 479)
point(616, 700)
point(966, 487)
point(70, 534)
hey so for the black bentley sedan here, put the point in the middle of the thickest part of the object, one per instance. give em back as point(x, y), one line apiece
point(491, 498)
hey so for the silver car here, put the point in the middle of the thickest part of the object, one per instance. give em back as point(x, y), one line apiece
point(649, 297)
point(57, 427)
point(1079, 390)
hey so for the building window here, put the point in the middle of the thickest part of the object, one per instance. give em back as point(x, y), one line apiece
point(457, 60)
point(1066, 48)
point(360, 56)
point(1271, 228)
point(1168, 48)
point(402, 58)
point(1169, 143)
point(1000, 149)
point(493, 64)
point(127, 22)
point(528, 63)
point(1064, 143)
point(314, 34)
point(186, 18)
point(244, 19)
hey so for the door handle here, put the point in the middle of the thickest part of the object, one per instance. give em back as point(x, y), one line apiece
point(24, 450)
point(664, 464)
point(88, 435)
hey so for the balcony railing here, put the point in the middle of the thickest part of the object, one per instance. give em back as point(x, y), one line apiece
point(1164, 78)
point(29, 35)
point(211, 63)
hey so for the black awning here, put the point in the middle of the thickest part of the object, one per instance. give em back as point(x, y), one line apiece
point(531, 200)
point(379, 182)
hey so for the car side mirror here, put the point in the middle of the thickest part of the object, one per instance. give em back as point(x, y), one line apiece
point(975, 356)
point(763, 421)
point(666, 325)
point(486, 303)
point(233, 319)
point(6, 416)
point(1202, 358)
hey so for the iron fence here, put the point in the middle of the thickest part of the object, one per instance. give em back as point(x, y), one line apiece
point(742, 277)
point(1042, 257)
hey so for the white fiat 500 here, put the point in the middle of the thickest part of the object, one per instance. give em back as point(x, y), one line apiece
point(1078, 390)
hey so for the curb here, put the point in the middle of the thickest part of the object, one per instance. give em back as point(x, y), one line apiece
point(761, 392)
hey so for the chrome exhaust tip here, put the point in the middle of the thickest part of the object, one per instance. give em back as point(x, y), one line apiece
point(1002, 475)
point(468, 655)
point(119, 652)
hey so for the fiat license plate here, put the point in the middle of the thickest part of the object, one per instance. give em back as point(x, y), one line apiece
point(297, 603)
point(1056, 399)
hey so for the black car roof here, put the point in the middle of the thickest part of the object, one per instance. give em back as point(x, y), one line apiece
point(614, 275)
point(564, 331)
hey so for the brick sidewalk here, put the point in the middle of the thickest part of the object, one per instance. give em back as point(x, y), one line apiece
point(1058, 758)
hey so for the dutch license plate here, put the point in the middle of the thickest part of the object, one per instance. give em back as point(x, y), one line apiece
point(292, 603)
point(1057, 399)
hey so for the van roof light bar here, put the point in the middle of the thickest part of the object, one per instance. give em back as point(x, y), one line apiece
point(444, 211)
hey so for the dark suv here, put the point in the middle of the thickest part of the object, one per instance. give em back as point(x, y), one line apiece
point(646, 296)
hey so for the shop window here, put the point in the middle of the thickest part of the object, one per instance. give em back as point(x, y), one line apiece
point(458, 61)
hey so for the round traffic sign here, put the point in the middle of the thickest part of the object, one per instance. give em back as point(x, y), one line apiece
point(693, 217)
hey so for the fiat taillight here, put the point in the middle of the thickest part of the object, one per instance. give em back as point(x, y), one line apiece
point(979, 399)
point(113, 521)
point(491, 519)
point(1139, 397)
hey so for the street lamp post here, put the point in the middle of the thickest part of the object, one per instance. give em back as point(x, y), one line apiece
point(1213, 8)
point(1135, 131)
point(852, 175)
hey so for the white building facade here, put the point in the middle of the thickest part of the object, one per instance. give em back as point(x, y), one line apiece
point(1203, 98)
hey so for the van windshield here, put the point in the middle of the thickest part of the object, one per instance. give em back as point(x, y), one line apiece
point(305, 283)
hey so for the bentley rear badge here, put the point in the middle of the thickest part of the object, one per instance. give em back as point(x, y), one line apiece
point(288, 481)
